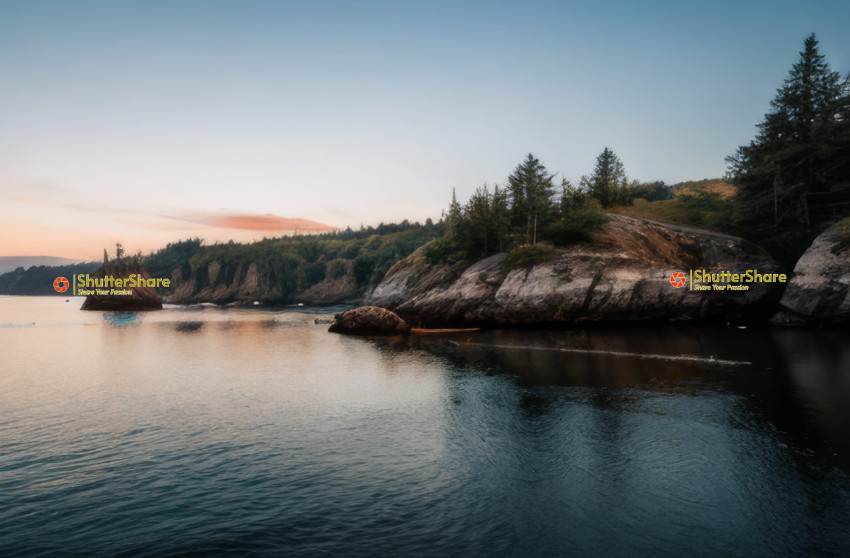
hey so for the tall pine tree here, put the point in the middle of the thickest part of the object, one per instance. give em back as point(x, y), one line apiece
point(486, 218)
point(608, 180)
point(454, 217)
point(794, 177)
point(531, 195)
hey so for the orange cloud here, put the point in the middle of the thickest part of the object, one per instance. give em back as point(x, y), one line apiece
point(248, 221)
point(268, 223)
point(54, 227)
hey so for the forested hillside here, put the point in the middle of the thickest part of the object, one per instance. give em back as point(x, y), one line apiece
point(38, 279)
point(282, 270)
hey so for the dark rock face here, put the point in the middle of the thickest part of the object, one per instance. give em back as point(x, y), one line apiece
point(141, 297)
point(241, 283)
point(819, 290)
point(624, 275)
point(330, 291)
point(222, 284)
point(369, 320)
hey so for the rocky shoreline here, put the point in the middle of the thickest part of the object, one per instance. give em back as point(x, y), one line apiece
point(819, 291)
point(624, 275)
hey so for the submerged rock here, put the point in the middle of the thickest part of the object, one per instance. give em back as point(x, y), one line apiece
point(369, 320)
point(624, 275)
point(819, 290)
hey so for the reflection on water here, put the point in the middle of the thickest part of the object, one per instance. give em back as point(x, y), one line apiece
point(189, 326)
point(817, 367)
point(798, 379)
point(260, 433)
point(121, 319)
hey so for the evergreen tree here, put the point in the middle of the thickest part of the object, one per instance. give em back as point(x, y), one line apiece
point(531, 192)
point(477, 213)
point(608, 180)
point(499, 218)
point(795, 175)
point(571, 198)
point(454, 217)
point(579, 216)
point(485, 222)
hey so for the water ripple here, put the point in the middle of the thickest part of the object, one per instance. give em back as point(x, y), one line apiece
point(257, 439)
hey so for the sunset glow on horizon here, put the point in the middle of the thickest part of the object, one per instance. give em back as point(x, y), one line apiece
point(148, 123)
point(81, 231)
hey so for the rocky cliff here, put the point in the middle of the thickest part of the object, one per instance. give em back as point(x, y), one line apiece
point(819, 290)
point(242, 283)
point(221, 284)
point(623, 275)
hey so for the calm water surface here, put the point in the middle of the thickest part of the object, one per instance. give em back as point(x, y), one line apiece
point(196, 432)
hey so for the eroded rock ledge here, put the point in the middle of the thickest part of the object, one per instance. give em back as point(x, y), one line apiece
point(622, 276)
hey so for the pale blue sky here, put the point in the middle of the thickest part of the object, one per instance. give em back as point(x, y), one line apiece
point(360, 112)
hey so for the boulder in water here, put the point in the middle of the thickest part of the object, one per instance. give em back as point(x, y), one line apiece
point(369, 320)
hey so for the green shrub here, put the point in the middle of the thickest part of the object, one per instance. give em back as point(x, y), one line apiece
point(529, 255)
point(444, 251)
point(577, 226)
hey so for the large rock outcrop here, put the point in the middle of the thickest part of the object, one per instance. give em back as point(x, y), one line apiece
point(819, 290)
point(369, 320)
point(623, 275)
point(140, 297)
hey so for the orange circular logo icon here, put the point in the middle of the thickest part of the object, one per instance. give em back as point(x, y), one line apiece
point(61, 284)
point(678, 279)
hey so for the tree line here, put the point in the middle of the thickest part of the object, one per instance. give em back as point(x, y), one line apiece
point(38, 279)
point(793, 181)
point(794, 176)
point(295, 263)
point(531, 209)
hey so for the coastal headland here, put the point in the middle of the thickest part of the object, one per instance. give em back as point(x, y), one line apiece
point(622, 275)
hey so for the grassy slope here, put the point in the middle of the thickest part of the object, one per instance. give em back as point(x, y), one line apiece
point(703, 203)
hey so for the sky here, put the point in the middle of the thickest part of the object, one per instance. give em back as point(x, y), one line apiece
point(149, 122)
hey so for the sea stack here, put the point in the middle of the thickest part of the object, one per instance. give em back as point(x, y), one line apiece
point(133, 295)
